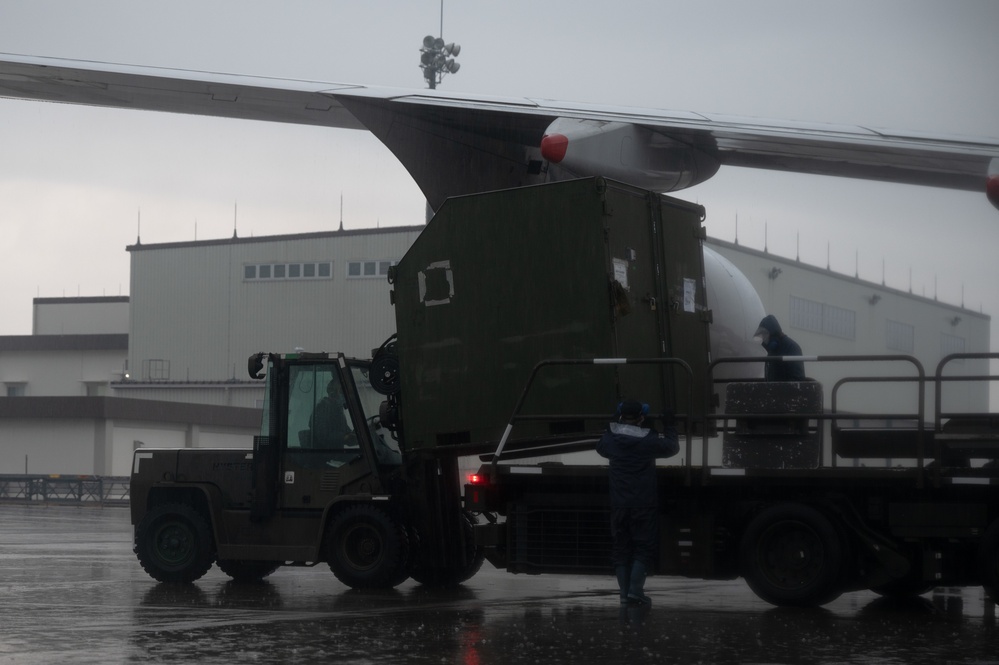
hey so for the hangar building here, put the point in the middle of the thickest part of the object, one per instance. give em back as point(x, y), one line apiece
point(166, 367)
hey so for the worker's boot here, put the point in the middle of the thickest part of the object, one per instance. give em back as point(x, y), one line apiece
point(636, 584)
point(623, 572)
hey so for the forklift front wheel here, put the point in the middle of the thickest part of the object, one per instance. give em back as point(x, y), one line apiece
point(367, 548)
point(174, 543)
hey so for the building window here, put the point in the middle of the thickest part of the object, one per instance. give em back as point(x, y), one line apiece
point(806, 315)
point(368, 269)
point(256, 272)
point(901, 337)
point(821, 318)
point(951, 344)
point(17, 389)
point(156, 369)
point(839, 322)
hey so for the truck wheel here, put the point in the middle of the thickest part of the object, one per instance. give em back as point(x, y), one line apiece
point(367, 549)
point(447, 577)
point(174, 543)
point(242, 570)
point(791, 555)
point(988, 560)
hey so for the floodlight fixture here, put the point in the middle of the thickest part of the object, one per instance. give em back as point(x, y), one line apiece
point(436, 59)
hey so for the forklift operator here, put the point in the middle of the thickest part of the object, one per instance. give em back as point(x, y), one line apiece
point(329, 421)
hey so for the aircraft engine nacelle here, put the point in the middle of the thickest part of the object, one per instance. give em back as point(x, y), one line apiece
point(626, 152)
point(736, 312)
point(992, 183)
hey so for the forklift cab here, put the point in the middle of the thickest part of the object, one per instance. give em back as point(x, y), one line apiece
point(332, 411)
point(320, 430)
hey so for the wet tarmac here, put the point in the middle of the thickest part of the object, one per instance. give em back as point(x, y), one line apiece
point(72, 592)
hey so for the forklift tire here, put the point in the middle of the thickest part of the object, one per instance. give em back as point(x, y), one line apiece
point(791, 555)
point(241, 570)
point(988, 560)
point(367, 549)
point(173, 543)
point(441, 577)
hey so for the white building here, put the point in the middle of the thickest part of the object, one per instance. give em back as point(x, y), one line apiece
point(200, 309)
point(167, 366)
point(60, 415)
point(831, 314)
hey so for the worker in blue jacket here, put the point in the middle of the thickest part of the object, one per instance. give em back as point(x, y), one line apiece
point(632, 450)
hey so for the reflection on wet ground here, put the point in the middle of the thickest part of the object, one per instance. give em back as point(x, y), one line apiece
point(73, 593)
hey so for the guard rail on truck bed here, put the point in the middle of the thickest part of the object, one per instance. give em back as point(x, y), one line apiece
point(945, 440)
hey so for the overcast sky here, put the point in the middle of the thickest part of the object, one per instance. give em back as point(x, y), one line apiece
point(73, 180)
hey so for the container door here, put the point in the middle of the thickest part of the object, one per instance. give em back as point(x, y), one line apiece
point(654, 244)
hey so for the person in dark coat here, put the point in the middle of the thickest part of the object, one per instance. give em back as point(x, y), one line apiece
point(777, 343)
point(329, 421)
point(632, 450)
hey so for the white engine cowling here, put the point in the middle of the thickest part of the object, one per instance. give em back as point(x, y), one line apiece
point(736, 311)
point(622, 151)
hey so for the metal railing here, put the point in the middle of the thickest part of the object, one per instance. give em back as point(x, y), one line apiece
point(89, 490)
point(588, 443)
point(921, 427)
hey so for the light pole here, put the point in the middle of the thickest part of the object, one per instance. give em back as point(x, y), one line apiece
point(437, 59)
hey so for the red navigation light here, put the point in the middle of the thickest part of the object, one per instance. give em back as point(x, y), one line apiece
point(992, 189)
point(476, 479)
point(553, 147)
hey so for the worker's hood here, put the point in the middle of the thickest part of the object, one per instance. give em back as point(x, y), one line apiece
point(769, 327)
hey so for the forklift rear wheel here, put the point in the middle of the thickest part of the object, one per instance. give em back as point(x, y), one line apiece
point(367, 548)
point(791, 555)
point(174, 543)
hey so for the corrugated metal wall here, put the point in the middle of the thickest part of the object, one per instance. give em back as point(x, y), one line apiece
point(196, 317)
point(856, 317)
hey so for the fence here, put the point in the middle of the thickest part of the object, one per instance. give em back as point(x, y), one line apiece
point(99, 490)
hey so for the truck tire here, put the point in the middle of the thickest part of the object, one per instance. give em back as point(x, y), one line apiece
point(367, 548)
point(242, 570)
point(448, 577)
point(988, 560)
point(791, 555)
point(173, 543)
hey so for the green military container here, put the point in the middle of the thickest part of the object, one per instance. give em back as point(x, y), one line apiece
point(582, 269)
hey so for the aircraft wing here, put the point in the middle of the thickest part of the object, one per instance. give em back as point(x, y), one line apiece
point(461, 143)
